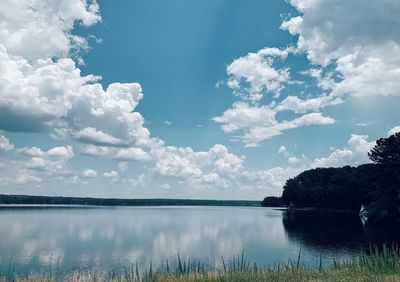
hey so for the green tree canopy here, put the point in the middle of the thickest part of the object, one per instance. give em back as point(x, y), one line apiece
point(387, 151)
point(375, 185)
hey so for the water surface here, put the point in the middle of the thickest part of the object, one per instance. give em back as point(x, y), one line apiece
point(104, 238)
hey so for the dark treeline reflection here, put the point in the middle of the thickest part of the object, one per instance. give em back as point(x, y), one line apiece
point(335, 230)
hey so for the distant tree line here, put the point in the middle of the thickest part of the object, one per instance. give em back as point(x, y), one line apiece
point(375, 185)
point(273, 202)
point(50, 200)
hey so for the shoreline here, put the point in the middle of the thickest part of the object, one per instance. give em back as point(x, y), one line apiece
point(111, 202)
point(312, 209)
point(378, 265)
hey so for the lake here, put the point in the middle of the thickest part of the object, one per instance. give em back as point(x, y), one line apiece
point(106, 238)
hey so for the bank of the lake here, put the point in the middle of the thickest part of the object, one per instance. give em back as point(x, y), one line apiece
point(378, 265)
point(85, 201)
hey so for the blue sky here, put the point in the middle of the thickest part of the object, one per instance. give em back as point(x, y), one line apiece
point(208, 99)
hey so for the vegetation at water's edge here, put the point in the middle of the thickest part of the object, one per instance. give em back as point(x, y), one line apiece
point(377, 265)
point(51, 200)
point(375, 185)
point(273, 202)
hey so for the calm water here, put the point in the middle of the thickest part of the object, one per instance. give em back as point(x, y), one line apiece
point(108, 238)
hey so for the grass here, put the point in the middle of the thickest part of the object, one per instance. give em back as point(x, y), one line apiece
point(375, 264)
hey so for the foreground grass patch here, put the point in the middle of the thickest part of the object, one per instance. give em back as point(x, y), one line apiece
point(374, 265)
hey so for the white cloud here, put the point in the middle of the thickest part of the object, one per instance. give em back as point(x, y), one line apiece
point(165, 186)
point(89, 173)
point(138, 182)
point(132, 154)
point(393, 130)
point(354, 154)
point(53, 96)
point(121, 154)
point(362, 43)
point(123, 166)
point(225, 161)
point(23, 178)
point(282, 150)
point(35, 165)
point(90, 134)
point(41, 29)
point(42, 90)
point(204, 168)
point(271, 179)
point(5, 144)
point(173, 161)
point(111, 174)
point(16, 173)
point(52, 163)
point(61, 152)
point(97, 151)
point(299, 106)
point(258, 123)
point(254, 74)
point(349, 52)
point(294, 160)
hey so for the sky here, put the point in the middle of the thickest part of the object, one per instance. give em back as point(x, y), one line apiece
point(213, 99)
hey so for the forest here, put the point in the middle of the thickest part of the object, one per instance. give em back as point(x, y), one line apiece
point(376, 186)
point(55, 200)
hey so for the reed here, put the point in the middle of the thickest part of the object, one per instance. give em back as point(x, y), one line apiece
point(373, 264)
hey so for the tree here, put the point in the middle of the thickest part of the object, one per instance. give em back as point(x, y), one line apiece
point(385, 203)
point(324, 188)
point(272, 202)
point(387, 151)
point(376, 185)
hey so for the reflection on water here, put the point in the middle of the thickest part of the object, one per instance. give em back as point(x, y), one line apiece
point(107, 238)
point(322, 230)
point(326, 231)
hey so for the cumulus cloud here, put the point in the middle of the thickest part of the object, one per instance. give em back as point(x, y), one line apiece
point(282, 150)
point(42, 89)
point(255, 74)
point(41, 29)
point(62, 152)
point(132, 154)
point(53, 162)
point(89, 173)
point(360, 44)
point(392, 131)
point(294, 160)
point(123, 166)
point(53, 96)
point(346, 51)
point(111, 174)
point(121, 154)
point(220, 168)
point(258, 123)
point(354, 154)
point(34, 165)
point(299, 106)
point(5, 144)
point(272, 179)
point(90, 134)
point(199, 168)
point(173, 161)
point(137, 182)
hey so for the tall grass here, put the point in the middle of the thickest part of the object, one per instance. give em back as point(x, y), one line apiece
point(373, 264)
